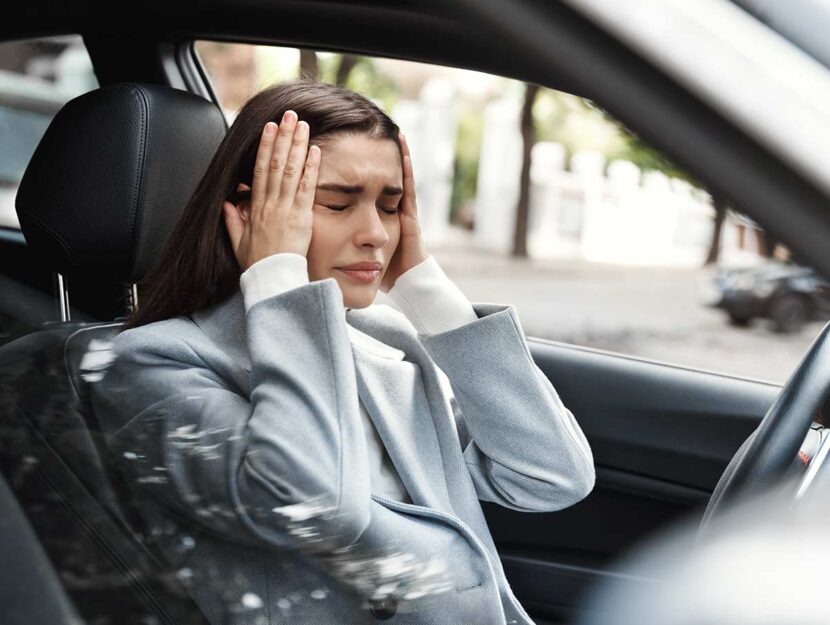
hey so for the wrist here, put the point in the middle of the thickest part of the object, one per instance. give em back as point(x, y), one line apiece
point(273, 275)
point(430, 300)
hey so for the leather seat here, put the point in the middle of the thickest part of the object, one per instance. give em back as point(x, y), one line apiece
point(106, 184)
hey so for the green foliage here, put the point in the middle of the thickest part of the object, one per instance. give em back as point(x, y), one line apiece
point(549, 113)
point(646, 157)
point(574, 123)
point(468, 146)
point(364, 78)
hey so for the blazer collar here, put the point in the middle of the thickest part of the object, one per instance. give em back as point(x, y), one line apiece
point(224, 323)
point(367, 342)
point(420, 446)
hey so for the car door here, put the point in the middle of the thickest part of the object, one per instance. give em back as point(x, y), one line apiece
point(661, 436)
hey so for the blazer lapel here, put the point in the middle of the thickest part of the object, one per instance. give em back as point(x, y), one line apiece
point(392, 394)
point(404, 399)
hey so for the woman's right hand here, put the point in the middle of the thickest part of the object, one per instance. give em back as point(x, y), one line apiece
point(278, 217)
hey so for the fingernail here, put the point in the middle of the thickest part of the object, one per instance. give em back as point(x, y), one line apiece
point(288, 115)
point(269, 128)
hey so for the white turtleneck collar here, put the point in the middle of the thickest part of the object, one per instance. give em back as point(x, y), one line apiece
point(369, 343)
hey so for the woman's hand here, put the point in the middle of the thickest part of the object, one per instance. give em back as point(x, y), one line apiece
point(411, 250)
point(278, 218)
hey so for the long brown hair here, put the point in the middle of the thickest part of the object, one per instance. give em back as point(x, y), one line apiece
point(197, 267)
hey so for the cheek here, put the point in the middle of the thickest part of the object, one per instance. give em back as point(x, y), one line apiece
point(393, 229)
point(329, 243)
point(320, 247)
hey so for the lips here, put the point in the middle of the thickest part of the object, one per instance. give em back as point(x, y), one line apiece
point(363, 266)
point(365, 272)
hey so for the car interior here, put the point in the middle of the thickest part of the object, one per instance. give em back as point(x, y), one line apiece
point(116, 164)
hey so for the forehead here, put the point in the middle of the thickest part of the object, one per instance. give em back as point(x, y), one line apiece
point(358, 159)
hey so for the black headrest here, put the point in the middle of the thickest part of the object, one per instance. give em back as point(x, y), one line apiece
point(111, 176)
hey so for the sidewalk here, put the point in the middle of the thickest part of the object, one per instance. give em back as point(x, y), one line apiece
point(649, 312)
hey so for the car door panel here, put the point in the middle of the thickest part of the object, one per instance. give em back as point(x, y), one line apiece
point(661, 436)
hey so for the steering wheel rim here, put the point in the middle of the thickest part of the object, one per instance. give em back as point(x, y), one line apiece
point(767, 453)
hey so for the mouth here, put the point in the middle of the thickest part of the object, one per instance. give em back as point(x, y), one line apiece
point(363, 276)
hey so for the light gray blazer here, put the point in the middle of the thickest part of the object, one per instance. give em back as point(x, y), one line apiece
point(244, 435)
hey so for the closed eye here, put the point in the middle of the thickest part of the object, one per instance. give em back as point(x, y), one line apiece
point(390, 210)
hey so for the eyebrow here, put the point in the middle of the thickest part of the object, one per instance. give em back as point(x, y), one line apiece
point(346, 188)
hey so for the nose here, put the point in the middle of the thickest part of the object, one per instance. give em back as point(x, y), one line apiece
point(370, 230)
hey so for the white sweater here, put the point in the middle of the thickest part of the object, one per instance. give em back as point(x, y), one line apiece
point(425, 294)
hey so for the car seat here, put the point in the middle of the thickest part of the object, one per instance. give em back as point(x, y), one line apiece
point(104, 187)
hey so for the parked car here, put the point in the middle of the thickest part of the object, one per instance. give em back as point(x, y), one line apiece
point(787, 294)
point(667, 440)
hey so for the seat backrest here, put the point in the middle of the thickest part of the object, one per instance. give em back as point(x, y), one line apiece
point(30, 592)
point(144, 150)
point(44, 395)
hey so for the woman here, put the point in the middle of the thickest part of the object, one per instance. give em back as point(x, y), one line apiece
point(330, 453)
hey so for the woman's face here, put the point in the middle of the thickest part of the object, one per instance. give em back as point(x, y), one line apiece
point(359, 188)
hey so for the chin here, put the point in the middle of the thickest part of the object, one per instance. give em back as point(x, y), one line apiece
point(362, 302)
point(359, 298)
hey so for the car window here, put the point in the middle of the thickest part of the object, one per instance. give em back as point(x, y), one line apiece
point(37, 77)
point(620, 249)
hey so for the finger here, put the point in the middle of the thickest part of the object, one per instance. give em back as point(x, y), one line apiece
point(408, 177)
point(294, 166)
point(261, 164)
point(308, 184)
point(408, 201)
point(234, 223)
point(279, 157)
point(404, 144)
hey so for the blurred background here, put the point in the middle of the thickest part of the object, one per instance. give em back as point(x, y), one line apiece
point(527, 196)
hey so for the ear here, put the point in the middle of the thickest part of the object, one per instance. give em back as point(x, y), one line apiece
point(244, 205)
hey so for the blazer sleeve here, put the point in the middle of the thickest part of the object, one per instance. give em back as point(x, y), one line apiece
point(289, 467)
point(523, 448)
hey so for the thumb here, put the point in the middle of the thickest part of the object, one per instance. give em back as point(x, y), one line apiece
point(234, 223)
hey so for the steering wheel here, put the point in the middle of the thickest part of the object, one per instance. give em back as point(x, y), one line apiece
point(769, 451)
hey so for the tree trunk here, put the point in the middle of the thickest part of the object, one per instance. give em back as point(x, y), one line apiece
point(347, 64)
point(720, 216)
point(528, 139)
point(308, 64)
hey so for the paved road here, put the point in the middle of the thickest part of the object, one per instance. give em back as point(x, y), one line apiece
point(648, 312)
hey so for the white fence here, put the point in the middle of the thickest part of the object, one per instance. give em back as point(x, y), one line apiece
point(595, 211)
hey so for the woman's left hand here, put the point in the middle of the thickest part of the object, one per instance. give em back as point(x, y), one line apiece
point(411, 250)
